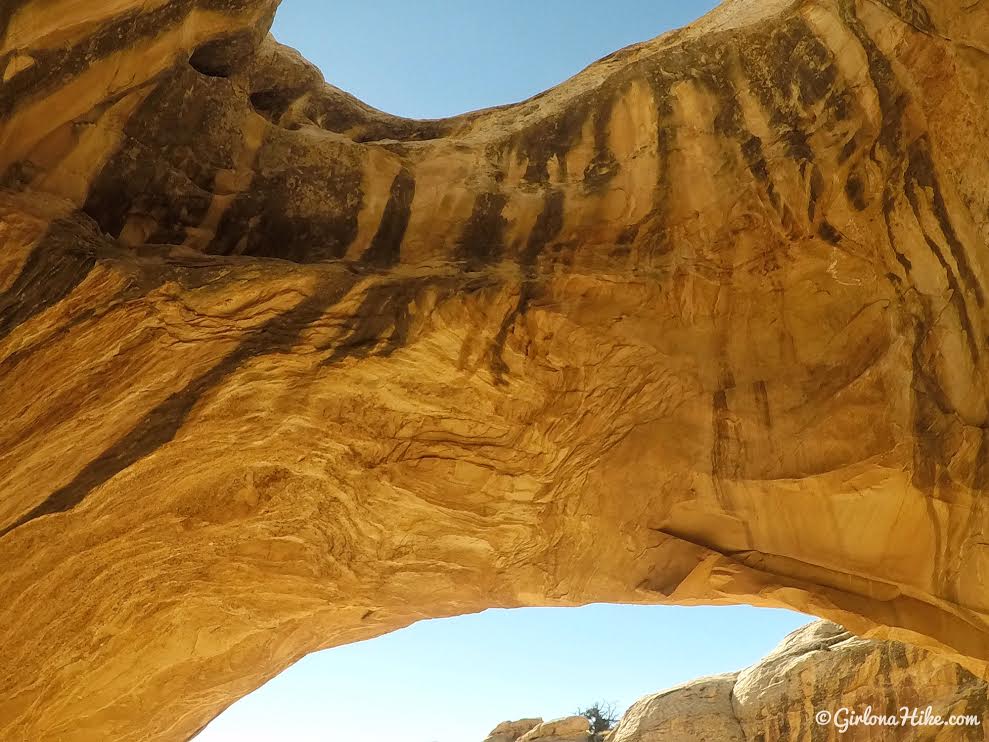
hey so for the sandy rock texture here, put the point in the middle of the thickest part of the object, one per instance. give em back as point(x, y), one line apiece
point(569, 729)
point(510, 731)
point(820, 667)
point(704, 324)
point(701, 711)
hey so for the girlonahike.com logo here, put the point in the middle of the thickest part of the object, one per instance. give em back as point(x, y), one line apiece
point(845, 718)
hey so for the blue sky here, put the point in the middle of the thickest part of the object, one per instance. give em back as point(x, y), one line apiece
point(433, 58)
point(452, 680)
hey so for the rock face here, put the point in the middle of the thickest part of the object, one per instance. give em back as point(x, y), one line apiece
point(820, 667)
point(701, 710)
point(510, 731)
point(704, 324)
point(569, 729)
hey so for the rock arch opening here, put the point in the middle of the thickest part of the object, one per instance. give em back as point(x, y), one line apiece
point(430, 60)
point(637, 673)
point(454, 680)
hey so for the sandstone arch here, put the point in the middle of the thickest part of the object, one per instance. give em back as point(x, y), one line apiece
point(706, 323)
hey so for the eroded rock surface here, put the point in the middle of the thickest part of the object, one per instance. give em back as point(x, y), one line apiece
point(700, 710)
point(568, 729)
point(704, 324)
point(820, 667)
point(510, 731)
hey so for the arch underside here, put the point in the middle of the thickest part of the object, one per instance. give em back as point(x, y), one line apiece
point(704, 324)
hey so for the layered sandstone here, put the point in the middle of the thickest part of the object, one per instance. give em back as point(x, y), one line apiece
point(704, 324)
point(819, 667)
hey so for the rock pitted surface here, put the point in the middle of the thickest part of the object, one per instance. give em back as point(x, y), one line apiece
point(705, 323)
point(819, 667)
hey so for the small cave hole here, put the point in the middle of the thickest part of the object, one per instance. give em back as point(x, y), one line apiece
point(221, 57)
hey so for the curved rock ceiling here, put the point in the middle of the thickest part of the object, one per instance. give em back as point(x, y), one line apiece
point(704, 324)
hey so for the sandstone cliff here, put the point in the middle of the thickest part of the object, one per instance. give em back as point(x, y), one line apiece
point(820, 667)
point(704, 324)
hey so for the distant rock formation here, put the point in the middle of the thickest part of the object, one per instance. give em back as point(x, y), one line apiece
point(510, 731)
point(819, 667)
point(569, 729)
point(706, 323)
